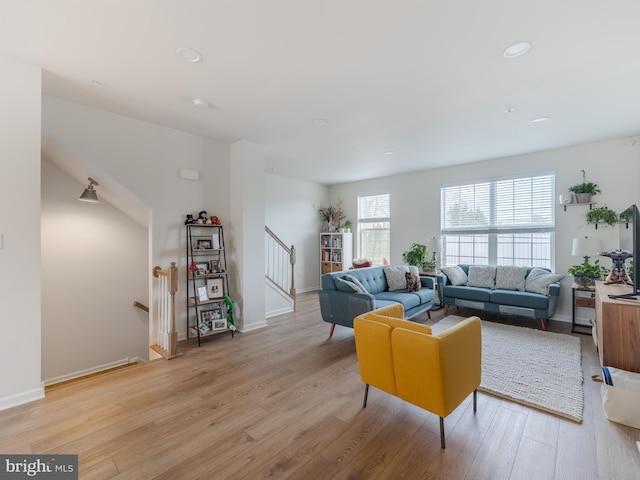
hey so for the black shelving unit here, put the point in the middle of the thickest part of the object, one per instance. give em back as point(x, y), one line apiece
point(207, 281)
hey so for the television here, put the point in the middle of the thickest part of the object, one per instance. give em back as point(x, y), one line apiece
point(631, 243)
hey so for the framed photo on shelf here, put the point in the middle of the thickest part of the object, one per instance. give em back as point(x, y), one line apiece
point(202, 295)
point(220, 324)
point(215, 288)
point(203, 328)
point(215, 266)
point(206, 316)
point(203, 244)
point(202, 268)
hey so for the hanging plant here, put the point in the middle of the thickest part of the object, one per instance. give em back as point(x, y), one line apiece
point(627, 215)
point(602, 215)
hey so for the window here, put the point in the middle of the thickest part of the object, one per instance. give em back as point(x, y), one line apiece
point(374, 227)
point(506, 221)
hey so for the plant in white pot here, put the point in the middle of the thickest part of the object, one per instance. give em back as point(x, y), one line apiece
point(584, 191)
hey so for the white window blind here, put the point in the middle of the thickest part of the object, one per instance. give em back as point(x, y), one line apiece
point(374, 227)
point(505, 221)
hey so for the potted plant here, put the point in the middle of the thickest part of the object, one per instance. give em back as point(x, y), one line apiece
point(584, 191)
point(627, 215)
point(416, 255)
point(602, 215)
point(585, 274)
point(346, 226)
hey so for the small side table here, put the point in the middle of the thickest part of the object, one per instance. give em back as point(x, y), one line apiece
point(435, 289)
point(581, 301)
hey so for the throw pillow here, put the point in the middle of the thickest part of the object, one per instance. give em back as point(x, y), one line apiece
point(414, 270)
point(413, 282)
point(455, 275)
point(510, 277)
point(396, 279)
point(353, 279)
point(344, 285)
point(483, 276)
point(538, 281)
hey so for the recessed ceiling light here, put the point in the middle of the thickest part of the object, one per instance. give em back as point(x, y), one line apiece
point(188, 54)
point(319, 122)
point(390, 152)
point(539, 119)
point(517, 49)
point(509, 110)
point(198, 102)
point(95, 83)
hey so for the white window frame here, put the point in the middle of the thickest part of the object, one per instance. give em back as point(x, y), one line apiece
point(369, 223)
point(505, 217)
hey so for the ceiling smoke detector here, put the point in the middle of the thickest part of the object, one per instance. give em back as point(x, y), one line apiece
point(516, 50)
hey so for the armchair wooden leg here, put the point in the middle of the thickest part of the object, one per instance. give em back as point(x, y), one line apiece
point(543, 324)
point(475, 400)
point(441, 432)
point(333, 327)
point(446, 310)
point(429, 314)
point(366, 393)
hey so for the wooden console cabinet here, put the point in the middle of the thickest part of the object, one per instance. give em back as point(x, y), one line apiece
point(617, 328)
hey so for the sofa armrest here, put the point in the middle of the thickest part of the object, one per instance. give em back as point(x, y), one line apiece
point(428, 282)
point(342, 307)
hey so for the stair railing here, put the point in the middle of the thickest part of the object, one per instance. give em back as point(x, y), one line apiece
point(279, 264)
point(165, 335)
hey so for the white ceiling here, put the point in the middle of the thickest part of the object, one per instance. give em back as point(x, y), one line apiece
point(423, 79)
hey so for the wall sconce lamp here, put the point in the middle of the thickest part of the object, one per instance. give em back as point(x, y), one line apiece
point(89, 194)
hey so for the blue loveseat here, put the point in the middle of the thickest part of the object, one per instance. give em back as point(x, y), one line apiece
point(524, 301)
point(340, 304)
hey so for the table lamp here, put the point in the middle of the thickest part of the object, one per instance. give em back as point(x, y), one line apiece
point(434, 245)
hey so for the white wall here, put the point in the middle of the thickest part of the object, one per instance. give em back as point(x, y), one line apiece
point(92, 271)
point(146, 158)
point(415, 197)
point(292, 214)
point(20, 87)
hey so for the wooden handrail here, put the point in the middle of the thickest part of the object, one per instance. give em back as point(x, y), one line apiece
point(141, 306)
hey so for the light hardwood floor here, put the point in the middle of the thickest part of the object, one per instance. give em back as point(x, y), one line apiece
point(284, 402)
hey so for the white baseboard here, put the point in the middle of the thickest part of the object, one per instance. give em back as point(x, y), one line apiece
point(254, 326)
point(89, 371)
point(278, 311)
point(22, 397)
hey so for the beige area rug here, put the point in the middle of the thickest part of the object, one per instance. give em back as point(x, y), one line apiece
point(536, 368)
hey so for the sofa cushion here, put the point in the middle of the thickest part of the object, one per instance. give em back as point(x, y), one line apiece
point(483, 276)
point(539, 279)
point(468, 293)
point(509, 277)
point(344, 285)
point(396, 279)
point(455, 274)
point(520, 299)
point(426, 295)
point(408, 300)
point(372, 278)
point(353, 279)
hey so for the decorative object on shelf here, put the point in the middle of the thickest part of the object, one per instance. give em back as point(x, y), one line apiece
point(585, 274)
point(215, 288)
point(346, 226)
point(602, 215)
point(215, 220)
point(189, 220)
point(89, 194)
point(203, 218)
point(332, 216)
point(585, 190)
point(434, 245)
point(618, 273)
point(566, 199)
point(231, 321)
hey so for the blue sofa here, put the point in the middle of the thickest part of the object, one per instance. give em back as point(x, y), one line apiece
point(339, 304)
point(523, 303)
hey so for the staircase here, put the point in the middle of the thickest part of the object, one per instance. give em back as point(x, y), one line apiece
point(279, 275)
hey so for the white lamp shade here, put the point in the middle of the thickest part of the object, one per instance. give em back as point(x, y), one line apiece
point(434, 244)
point(585, 247)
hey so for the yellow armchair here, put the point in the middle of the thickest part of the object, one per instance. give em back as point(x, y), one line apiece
point(403, 358)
